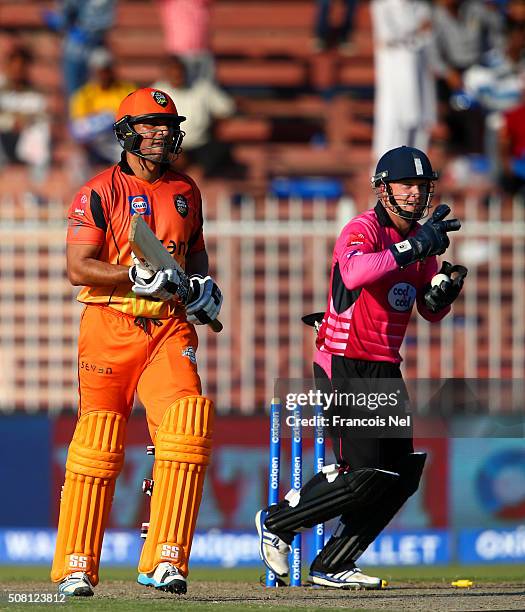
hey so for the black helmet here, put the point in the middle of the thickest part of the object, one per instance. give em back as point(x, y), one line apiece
point(403, 163)
point(397, 165)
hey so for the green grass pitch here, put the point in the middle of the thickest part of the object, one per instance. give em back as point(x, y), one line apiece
point(506, 573)
point(35, 579)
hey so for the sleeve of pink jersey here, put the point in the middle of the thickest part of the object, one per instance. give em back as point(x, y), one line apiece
point(430, 269)
point(360, 263)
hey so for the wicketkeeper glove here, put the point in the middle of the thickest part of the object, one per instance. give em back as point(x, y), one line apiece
point(148, 283)
point(431, 239)
point(442, 295)
point(206, 300)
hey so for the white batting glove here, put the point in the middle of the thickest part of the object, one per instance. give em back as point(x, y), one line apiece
point(206, 300)
point(140, 269)
point(148, 283)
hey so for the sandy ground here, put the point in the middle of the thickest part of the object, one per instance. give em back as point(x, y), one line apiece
point(401, 596)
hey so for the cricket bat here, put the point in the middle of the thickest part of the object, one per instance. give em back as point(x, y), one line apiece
point(147, 246)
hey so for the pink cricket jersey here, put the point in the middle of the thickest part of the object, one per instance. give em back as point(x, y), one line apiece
point(370, 299)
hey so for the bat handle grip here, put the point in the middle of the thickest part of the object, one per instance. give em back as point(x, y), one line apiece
point(216, 325)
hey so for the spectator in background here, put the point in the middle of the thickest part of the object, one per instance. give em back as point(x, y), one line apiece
point(511, 143)
point(186, 25)
point(24, 124)
point(496, 86)
point(202, 103)
point(405, 96)
point(93, 108)
point(463, 31)
point(343, 34)
point(84, 24)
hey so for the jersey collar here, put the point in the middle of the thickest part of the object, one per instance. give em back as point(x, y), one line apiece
point(123, 164)
point(382, 216)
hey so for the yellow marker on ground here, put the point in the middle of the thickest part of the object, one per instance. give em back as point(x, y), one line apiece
point(463, 584)
point(384, 584)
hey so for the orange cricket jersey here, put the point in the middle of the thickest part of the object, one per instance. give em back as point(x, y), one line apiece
point(101, 214)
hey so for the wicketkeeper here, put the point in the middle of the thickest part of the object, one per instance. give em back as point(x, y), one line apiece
point(135, 336)
point(383, 263)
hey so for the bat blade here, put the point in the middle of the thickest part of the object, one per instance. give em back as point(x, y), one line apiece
point(148, 247)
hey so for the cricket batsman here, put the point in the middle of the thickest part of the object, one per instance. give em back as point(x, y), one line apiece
point(383, 262)
point(135, 336)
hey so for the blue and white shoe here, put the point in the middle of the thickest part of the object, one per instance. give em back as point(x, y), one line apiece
point(347, 579)
point(273, 550)
point(165, 577)
point(76, 584)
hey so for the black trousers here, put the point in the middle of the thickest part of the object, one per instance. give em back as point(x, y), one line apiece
point(358, 447)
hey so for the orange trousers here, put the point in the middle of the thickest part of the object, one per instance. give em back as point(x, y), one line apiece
point(116, 357)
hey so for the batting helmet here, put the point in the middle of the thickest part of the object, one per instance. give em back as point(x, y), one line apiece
point(153, 106)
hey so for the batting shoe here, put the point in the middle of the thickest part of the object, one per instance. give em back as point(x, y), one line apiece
point(272, 550)
point(165, 577)
point(347, 579)
point(76, 584)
